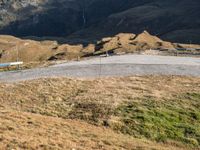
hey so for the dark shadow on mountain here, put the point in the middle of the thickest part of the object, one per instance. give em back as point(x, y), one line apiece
point(60, 21)
point(165, 19)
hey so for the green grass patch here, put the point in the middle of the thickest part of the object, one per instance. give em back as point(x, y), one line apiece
point(177, 119)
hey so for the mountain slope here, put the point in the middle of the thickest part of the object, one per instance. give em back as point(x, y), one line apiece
point(173, 20)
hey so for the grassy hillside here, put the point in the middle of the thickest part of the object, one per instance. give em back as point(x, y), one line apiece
point(162, 109)
point(24, 131)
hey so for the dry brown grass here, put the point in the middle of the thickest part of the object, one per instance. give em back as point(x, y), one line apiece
point(21, 130)
point(105, 90)
point(31, 111)
point(30, 51)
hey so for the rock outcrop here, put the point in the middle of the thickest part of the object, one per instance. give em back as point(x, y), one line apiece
point(129, 43)
point(12, 48)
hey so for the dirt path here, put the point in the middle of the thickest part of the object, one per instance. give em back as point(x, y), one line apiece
point(124, 65)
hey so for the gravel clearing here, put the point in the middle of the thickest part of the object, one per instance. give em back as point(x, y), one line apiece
point(124, 65)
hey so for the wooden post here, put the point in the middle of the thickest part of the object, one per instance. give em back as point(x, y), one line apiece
point(78, 58)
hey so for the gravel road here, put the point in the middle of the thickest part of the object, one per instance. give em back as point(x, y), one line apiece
point(123, 65)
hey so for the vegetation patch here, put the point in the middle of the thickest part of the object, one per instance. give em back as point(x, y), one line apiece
point(95, 113)
point(177, 119)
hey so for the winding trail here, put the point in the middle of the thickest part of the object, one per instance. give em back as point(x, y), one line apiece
point(124, 65)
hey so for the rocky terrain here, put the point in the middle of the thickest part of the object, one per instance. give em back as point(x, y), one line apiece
point(94, 19)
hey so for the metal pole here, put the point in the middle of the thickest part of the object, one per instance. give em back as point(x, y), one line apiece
point(18, 66)
point(100, 67)
point(17, 53)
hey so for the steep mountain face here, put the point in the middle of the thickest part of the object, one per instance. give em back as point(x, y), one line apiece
point(39, 17)
point(177, 21)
